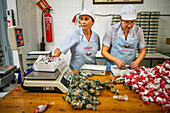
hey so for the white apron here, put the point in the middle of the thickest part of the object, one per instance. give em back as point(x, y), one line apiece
point(124, 50)
point(86, 54)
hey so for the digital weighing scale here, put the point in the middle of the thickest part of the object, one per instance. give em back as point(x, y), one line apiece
point(57, 79)
point(41, 81)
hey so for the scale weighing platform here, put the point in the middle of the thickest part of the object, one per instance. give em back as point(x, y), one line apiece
point(43, 81)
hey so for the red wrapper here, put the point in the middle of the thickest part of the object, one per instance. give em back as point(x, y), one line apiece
point(151, 89)
point(153, 83)
point(162, 84)
point(146, 102)
point(166, 108)
point(167, 73)
point(40, 108)
point(154, 98)
point(141, 67)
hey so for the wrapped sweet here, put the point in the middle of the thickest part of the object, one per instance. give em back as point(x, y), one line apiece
point(83, 92)
point(40, 108)
point(121, 98)
point(89, 106)
point(151, 83)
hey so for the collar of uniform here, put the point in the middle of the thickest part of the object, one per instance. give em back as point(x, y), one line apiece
point(83, 36)
point(130, 34)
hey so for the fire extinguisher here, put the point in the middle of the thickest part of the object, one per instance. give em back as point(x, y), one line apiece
point(48, 27)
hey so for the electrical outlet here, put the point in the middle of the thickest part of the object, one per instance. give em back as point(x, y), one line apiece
point(168, 41)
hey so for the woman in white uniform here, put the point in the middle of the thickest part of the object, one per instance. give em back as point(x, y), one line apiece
point(122, 39)
point(83, 43)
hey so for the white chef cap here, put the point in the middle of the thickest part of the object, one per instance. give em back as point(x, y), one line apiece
point(88, 12)
point(128, 12)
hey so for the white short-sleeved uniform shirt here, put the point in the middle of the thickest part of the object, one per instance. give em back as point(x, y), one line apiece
point(73, 42)
point(116, 31)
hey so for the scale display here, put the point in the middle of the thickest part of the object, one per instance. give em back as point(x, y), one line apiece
point(16, 37)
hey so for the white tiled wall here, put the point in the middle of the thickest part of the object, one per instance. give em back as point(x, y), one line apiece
point(64, 11)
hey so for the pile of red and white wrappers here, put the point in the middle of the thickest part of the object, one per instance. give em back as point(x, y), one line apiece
point(152, 84)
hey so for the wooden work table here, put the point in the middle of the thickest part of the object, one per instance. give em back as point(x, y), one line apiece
point(23, 101)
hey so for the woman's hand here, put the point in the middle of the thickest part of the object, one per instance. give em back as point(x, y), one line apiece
point(142, 53)
point(57, 53)
point(119, 63)
point(134, 64)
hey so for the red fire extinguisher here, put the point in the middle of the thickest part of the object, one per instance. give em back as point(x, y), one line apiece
point(48, 27)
